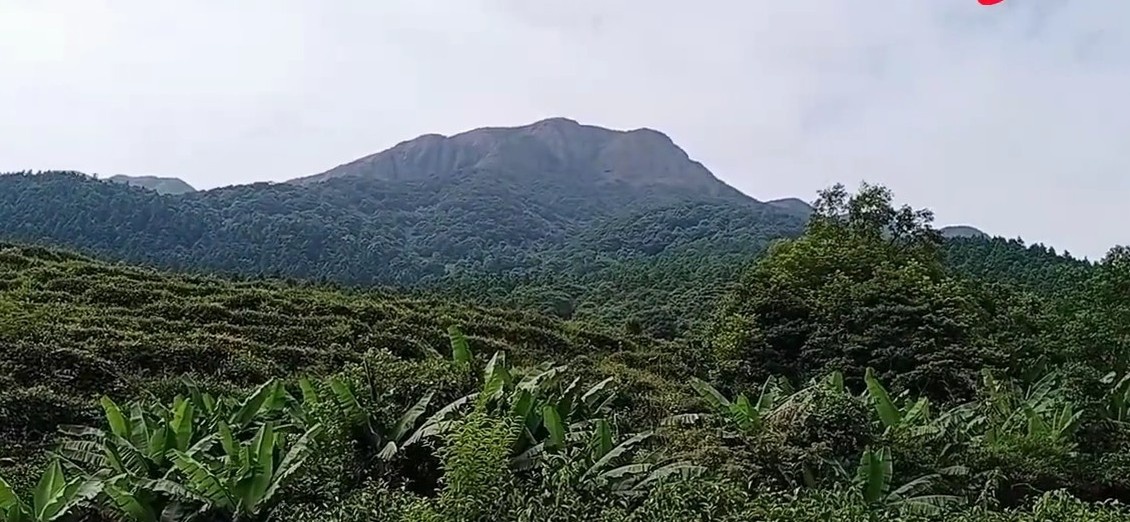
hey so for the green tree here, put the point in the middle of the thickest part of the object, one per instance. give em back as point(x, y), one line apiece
point(863, 286)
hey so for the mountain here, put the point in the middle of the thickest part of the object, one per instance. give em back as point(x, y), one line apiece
point(956, 231)
point(548, 149)
point(794, 205)
point(157, 184)
point(570, 217)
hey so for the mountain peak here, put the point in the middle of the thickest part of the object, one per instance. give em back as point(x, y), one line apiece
point(157, 184)
point(795, 206)
point(556, 121)
point(550, 148)
point(954, 231)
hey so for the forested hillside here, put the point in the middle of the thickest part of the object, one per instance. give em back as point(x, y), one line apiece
point(847, 374)
point(551, 197)
point(621, 258)
point(429, 234)
point(617, 227)
point(1036, 267)
point(577, 237)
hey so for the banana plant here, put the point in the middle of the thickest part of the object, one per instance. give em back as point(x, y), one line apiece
point(242, 482)
point(135, 452)
point(140, 438)
point(386, 441)
point(910, 417)
point(591, 459)
point(873, 481)
point(460, 348)
point(1039, 412)
point(746, 416)
point(270, 402)
point(1117, 407)
point(137, 444)
point(548, 413)
point(55, 497)
point(833, 382)
point(535, 396)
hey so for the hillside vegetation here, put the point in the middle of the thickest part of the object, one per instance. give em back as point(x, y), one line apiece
point(72, 329)
point(577, 221)
point(422, 234)
point(618, 257)
point(847, 374)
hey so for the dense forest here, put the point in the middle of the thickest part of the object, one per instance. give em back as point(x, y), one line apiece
point(643, 258)
point(863, 368)
point(615, 227)
point(594, 247)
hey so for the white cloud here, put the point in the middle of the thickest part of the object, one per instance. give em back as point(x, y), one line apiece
point(1009, 117)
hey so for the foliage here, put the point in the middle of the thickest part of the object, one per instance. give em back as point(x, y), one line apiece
point(641, 260)
point(565, 245)
point(54, 497)
point(849, 374)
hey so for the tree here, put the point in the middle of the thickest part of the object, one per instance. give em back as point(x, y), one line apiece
point(1097, 329)
point(863, 286)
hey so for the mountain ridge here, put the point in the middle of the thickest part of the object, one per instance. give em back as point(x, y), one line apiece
point(465, 147)
point(956, 231)
point(161, 185)
point(553, 146)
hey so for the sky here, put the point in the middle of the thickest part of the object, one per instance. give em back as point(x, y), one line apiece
point(1011, 117)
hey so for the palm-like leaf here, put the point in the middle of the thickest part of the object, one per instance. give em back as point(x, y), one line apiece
point(554, 426)
point(888, 412)
point(460, 349)
point(9, 500)
point(293, 460)
point(614, 453)
point(203, 482)
point(874, 476)
point(129, 503)
point(407, 421)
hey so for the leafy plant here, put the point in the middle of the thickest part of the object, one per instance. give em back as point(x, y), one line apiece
point(384, 441)
point(874, 478)
point(912, 417)
point(591, 460)
point(545, 407)
point(245, 479)
point(55, 497)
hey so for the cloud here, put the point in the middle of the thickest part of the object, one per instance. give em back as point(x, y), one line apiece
point(1009, 117)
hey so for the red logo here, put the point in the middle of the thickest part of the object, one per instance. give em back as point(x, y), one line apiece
point(989, 2)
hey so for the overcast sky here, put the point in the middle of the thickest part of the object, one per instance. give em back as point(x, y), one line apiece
point(1012, 117)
